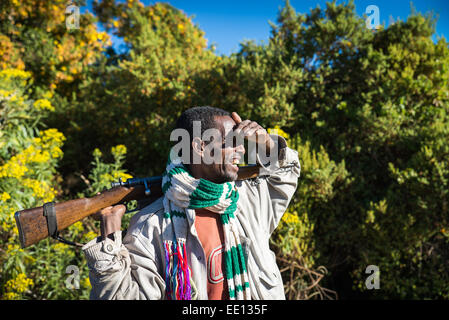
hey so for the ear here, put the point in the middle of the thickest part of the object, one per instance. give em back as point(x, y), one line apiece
point(198, 145)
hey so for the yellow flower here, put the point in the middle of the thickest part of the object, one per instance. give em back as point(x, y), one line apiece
point(14, 73)
point(11, 296)
point(85, 283)
point(7, 214)
point(77, 227)
point(33, 155)
point(50, 196)
point(102, 36)
point(60, 247)
point(56, 152)
point(290, 218)
point(89, 236)
point(4, 196)
point(42, 104)
point(5, 93)
point(124, 176)
point(48, 95)
point(52, 135)
point(278, 131)
point(97, 153)
point(118, 150)
point(40, 189)
point(13, 169)
point(20, 284)
point(12, 249)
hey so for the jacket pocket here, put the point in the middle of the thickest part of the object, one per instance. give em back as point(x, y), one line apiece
point(267, 275)
point(268, 279)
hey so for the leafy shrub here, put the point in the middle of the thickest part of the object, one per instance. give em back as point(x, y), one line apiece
point(294, 239)
point(28, 161)
point(28, 178)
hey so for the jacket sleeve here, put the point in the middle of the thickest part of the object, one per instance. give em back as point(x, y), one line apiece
point(123, 270)
point(276, 184)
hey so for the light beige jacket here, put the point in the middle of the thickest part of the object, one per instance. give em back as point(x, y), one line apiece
point(134, 267)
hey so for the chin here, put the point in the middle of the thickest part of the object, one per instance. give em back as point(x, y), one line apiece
point(231, 178)
point(231, 174)
point(227, 176)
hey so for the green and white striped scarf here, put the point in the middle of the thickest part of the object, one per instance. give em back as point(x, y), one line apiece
point(182, 191)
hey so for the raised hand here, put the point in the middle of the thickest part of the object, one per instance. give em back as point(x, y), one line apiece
point(252, 131)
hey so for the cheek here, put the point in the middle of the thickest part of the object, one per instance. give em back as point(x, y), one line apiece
point(227, 155)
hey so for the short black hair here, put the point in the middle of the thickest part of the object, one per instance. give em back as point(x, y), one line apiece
point(206, 115)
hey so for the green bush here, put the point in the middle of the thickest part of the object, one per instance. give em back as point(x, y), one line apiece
point(29, 178)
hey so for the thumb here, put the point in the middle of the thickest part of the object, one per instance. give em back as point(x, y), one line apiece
point(236, 117)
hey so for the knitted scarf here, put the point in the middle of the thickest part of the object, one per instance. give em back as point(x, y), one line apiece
point(182, 192)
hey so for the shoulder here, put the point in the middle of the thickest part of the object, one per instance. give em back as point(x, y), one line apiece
point(147, 219)
point(251, 188)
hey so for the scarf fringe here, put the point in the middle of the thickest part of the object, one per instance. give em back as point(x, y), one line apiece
point(177, 271)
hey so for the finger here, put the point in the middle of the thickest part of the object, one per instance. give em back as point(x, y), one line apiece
point(236, 117)
point(261, 134)
point(241, 125)
point(119, 209)
point(250, 126)
point(97, 215)
point(249, 132)
point(253, 124)
point(105, 211)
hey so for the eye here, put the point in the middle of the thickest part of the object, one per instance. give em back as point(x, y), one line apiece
point(234, 143)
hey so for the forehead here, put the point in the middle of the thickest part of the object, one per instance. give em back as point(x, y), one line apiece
point(225, 123)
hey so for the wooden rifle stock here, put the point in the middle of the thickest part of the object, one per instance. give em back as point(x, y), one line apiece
point(32, 224)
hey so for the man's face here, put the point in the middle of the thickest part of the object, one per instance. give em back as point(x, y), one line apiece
point(226, 169)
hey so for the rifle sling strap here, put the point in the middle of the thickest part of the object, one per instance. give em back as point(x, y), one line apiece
point(52, 224)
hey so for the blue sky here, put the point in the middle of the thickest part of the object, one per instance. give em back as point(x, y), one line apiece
point(227, 23)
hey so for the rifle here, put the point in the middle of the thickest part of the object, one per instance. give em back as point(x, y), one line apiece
point(38, 223)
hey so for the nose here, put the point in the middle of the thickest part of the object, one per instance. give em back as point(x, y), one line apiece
point(240, 149)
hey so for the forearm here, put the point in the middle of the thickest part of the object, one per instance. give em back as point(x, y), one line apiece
point(272, 153)
point(111, 274)
point(281, 175)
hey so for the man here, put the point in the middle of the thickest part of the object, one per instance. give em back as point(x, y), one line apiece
point(208, 236)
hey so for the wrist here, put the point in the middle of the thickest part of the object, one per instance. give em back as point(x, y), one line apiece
point(270, 146)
